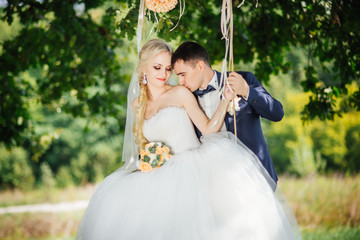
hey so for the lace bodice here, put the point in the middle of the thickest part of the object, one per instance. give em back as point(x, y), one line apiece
point(172, 126)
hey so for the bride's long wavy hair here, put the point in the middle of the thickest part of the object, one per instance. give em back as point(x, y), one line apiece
point(148, 51)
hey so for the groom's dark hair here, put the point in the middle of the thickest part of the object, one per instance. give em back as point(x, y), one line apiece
point(190, 52)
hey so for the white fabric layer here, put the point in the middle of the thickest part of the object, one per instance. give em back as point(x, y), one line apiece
point(214, 190)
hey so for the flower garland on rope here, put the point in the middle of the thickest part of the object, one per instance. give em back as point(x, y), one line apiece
point(164, 6)
point(160, 6)
point(157, 7)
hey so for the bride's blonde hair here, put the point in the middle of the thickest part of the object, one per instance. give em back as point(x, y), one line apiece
point(148, 51)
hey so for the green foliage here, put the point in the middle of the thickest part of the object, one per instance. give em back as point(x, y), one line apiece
point(328, 30)
point(78, 156)
point(15, 171)
point(78, 168)
point(352, 141)
point(106, 158)
point(73, 151)
point(79, 69)
point(329, 140)
point(278, 139)
point(75, 56)
point(63, 177)
point(313, 147)
point(56, 59)
point(302, 158)
point(47, 177)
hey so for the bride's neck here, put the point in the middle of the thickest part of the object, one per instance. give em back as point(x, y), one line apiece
point(155, 92)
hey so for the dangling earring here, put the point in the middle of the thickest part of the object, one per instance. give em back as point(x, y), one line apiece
point(144, 80)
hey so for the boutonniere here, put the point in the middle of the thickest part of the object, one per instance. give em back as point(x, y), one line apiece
point(234, 106)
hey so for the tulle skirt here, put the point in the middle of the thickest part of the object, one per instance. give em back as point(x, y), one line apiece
point(216, 191)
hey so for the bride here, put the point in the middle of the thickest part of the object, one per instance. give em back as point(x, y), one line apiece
point(208, 189)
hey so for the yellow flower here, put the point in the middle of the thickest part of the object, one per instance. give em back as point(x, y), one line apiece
point(166, 149)
point(161, 157)
point(145, 167)
point(148, 145)
point(144, 153)
point(158, 150)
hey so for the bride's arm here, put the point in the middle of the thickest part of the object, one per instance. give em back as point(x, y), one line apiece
point(198, 117)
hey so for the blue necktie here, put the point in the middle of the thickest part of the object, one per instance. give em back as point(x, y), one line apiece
point(201, 93)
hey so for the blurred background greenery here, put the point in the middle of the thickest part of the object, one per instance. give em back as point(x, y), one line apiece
point(64, 71)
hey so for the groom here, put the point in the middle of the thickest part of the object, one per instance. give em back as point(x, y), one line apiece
point(192, 65)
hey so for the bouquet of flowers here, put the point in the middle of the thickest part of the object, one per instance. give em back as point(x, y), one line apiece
point(154, 155)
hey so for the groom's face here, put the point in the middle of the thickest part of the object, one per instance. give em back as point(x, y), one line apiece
point(189, 74)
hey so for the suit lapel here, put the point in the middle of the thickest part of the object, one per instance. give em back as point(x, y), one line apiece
point(218, 77)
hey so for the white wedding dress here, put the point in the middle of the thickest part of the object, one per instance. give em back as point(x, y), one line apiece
point(216, 189)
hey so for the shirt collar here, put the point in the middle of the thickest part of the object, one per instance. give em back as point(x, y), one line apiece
point(213, 82)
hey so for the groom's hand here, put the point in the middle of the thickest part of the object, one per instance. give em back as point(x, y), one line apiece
point(238, 84)
point(229, 95)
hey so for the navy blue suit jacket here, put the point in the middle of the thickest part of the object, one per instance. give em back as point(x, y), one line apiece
point(259, 104)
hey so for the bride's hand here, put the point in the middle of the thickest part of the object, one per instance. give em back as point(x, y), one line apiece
point(229, 95)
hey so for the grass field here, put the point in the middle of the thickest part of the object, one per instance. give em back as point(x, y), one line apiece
point(327, 201)
point(338, 233)
point(17, 197)
point(326, 208)
point(39, 226)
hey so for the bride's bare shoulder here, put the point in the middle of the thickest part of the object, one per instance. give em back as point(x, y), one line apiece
point(180, 90)
point(182, 96)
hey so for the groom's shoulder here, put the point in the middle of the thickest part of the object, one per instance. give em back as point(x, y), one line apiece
point(246, 74)
point(249, 77)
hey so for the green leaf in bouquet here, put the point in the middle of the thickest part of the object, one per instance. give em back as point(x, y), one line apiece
point(152, 149)
point(146, 159)
point(158, 157)
point(154, 164)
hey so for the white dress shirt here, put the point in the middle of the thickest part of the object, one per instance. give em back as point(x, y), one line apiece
point(210, 101)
